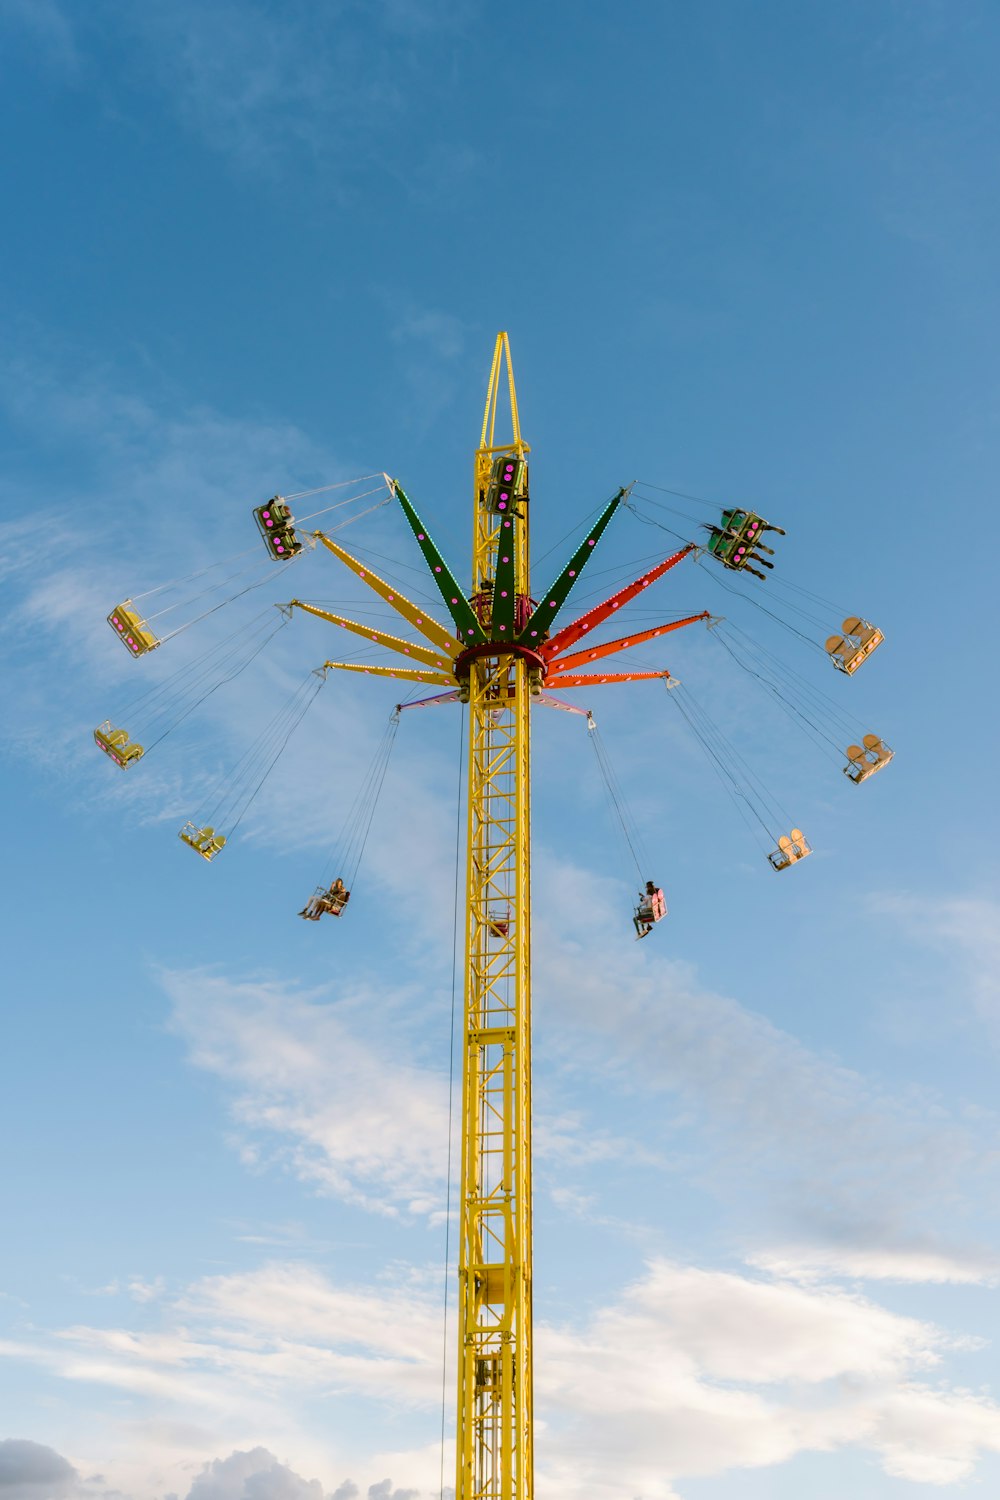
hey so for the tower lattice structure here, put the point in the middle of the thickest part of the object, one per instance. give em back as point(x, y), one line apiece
point(498, 654)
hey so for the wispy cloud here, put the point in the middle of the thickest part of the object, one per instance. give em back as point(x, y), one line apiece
point(686, 1372)
point(966, 929)
point(311, 84)
point(837, 1157)
point(378, 1136)
point(47, 27)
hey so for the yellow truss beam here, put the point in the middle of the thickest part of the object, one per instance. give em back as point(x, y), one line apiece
point(403, 672)
point(395, 643)
point(414, 613)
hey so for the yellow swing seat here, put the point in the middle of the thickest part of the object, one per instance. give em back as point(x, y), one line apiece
point(132, 629)
point(115, 743)
point(857, 643)
point(791, 848)
point(863, 760)
point(204, 841)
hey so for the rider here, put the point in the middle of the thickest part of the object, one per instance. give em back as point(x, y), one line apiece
point(644, 915)
point(334, 900)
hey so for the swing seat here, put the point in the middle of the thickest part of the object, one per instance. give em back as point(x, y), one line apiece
point(204, 841)
point(734, 540)
point(652, 910)
point(132, 629)
point(274, 522)
point(872, 755)
point(508, 484)
point(115, 743)
point(791, 848)
point(498, 924)
point(857, 643)
point(322, 903)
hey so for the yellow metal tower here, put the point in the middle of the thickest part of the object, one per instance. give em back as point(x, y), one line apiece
point(494, 1426)
point(498, 654)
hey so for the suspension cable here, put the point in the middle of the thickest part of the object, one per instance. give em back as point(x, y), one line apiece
point(451, 1085)
point(616, 799)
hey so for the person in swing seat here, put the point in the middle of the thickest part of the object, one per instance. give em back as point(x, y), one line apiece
point(646, 913)
point(334, 900)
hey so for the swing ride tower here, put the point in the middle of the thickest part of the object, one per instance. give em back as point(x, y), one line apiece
point(494, 1417)
point(499, 653)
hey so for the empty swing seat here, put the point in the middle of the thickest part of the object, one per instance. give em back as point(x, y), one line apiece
point(204, 841)
point(791, 848)
point(115, 743)
point(863, 760)
point(857, 643)
point(133, 630)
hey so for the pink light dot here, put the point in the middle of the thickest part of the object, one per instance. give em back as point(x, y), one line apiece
point(419, 620)
point(420, 536)
point(505, 559)
point(390, 597)
point(503, 627)
point(552, 604)
point(454, 601)
point(534, 632)
point(590, 541)
point(506, 523)
point(374, 636)
point(361, 573)
point(572, 572)
point(406, 649)
point(468, 632)
point(503, 593)
point(437, 567)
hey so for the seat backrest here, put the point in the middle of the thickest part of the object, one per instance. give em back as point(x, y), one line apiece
point(853, 625)
point(835, 644)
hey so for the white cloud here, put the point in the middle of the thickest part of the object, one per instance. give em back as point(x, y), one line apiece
point(967, 930)
point(252, 1475)
point(838, 1156)
point(694, 1372)
point(358, 1121)
point(927, 1264)
point(689, 1371)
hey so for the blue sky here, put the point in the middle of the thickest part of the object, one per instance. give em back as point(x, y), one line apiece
point(748, 253)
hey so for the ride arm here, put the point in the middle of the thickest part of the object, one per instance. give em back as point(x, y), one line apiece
point(380, 637)
point(581, 658)
point(467, 625)
point(592, 679)
point(555, 597)
point(408, 675)
point(417, 617)
point(601, 612)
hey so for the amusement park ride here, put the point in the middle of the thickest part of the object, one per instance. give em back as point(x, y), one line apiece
point(499, 651)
